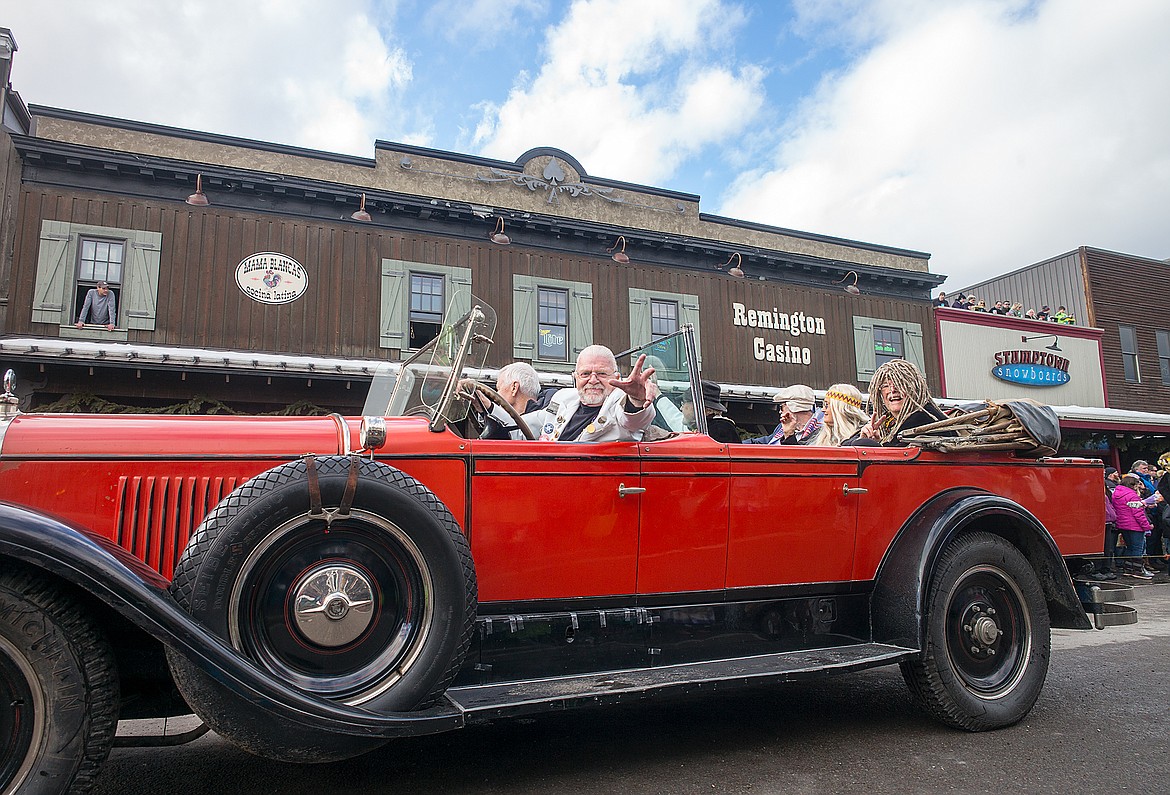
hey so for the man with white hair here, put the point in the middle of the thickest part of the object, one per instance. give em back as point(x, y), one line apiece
point(518, 384)
point(602, 407)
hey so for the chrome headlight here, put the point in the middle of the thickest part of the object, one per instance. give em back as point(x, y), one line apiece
point(372, 435)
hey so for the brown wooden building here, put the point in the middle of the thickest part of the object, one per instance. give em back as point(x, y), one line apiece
point(101, 198)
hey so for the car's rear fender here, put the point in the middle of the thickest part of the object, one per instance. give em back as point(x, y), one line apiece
point(900, 588)
point(103, 573)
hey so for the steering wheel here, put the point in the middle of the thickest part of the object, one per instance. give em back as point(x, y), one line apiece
point(498, 399)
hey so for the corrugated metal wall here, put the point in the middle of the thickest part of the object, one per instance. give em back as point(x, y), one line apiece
point(1055, 282)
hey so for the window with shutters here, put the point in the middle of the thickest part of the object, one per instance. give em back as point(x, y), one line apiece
point(426, 308)
point(888, 344)
point(101, 261)
point(655, 314)
point(72, 258)
point(416, 299)
point(552, 324)
point(1129, 353)
point(543, 310)
point(877, 340)
point(664, 321)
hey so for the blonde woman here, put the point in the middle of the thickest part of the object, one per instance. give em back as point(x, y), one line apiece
point(844, 416)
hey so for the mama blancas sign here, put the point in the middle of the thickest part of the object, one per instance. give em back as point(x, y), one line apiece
point(1033, 368)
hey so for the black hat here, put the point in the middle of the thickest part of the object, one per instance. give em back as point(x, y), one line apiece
point(711, 396)
point(102, 284)
point(1110, 471)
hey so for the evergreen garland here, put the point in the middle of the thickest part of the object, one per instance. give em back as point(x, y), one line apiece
point(88, 403)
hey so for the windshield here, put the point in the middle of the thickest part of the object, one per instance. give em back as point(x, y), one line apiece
point(671, 357)
point(425, 383)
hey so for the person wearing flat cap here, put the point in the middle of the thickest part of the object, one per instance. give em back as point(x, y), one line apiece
point(719, 427)
point(799, 418)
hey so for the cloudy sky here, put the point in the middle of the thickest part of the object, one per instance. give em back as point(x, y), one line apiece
point(990, 133)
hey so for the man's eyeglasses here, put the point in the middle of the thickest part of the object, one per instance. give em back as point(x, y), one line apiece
point(588, 375)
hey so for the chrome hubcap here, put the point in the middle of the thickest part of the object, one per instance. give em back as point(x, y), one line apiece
point(333, 604)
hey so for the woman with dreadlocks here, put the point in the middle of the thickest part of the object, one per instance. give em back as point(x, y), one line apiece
point(844, 416)
point(900, 400)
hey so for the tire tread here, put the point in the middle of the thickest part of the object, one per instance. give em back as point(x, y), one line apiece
point(98, 668)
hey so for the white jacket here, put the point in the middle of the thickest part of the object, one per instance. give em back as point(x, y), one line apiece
point(612, 424)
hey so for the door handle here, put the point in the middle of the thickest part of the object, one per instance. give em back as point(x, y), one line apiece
point(846, 491)
point(624, 490)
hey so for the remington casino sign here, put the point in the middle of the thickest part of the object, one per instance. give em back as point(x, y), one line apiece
point(1031, 368)
point(774, 347)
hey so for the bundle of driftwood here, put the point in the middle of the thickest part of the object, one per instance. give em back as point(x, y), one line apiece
point(1029, 428)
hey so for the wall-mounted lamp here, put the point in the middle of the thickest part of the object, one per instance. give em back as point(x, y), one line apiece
point(360, 214)
point(619, 255)
point(734, 270)
point(198, 198)
point(852, 287)
point(498, 237)
point(1055, 340)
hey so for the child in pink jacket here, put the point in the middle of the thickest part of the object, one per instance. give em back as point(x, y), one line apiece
point(1133, 524)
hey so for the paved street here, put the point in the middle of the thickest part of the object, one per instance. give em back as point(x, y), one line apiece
point(854, 733)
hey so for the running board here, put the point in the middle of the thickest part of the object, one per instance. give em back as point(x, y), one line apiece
point(485, 702)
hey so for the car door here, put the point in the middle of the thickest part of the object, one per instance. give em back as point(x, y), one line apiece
point(683, 541)
point(793, 514)
point(554, 520)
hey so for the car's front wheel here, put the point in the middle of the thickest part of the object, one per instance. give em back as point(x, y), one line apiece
point(987, 638)
point(58, 689)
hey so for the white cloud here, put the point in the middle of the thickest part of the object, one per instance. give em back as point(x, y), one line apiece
point(294, 71)
point(629, 89)
point(991, 134)
point(481, 23)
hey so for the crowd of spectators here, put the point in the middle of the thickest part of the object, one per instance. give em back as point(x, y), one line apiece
point(1137, 521)
point(1008, 308)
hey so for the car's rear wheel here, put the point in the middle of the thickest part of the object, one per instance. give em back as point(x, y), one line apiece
point(58, 689)
point(370, 606)
point(987, 639)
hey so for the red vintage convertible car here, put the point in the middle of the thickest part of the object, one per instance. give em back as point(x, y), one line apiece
point(315, 587)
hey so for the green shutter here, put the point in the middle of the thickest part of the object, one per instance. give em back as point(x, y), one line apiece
point(580, 318)
point(458, 285)
point(54, 275)
point(912, 335)
point(523, 318)
point(392, 321)
point(639, 317)
point(689, 313)
point(863, 348)
point(139, 305)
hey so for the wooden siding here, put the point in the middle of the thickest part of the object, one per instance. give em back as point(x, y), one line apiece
point(199, 304)
point(9, 198)
point(1129, 290)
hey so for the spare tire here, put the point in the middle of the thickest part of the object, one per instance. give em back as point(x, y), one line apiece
point(340, 576)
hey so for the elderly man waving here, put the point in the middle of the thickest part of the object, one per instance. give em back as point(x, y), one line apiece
point(602, 407)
